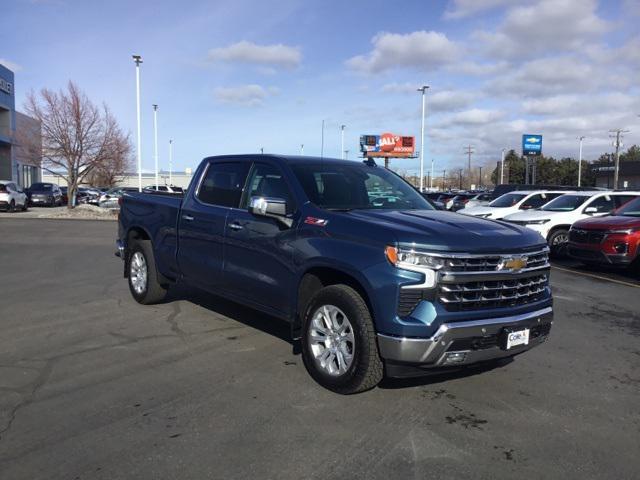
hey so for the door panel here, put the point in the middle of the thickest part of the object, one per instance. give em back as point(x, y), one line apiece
point(258, 260)
point(201, 225)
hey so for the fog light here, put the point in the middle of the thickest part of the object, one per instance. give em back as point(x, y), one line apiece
point(455, 357)
point(620, 247)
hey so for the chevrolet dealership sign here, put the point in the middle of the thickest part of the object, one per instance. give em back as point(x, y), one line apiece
point(531, 144)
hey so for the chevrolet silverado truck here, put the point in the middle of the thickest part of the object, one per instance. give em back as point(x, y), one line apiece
point(371, 278)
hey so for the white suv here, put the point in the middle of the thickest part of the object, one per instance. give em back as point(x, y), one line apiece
point(554, 219)
point(12, 197)
point(513, 202)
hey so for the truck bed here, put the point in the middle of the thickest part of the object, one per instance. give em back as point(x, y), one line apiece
point(160, 213)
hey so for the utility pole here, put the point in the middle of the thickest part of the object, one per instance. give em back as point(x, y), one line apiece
point(444, 176)
point(581, 138)
point(460, 178)
point(616, 143)
point(342, 141)
point(422, 89)
point(155, 141)
point(469, 150)
point(480, 179)
point(170, 161)
point(138, 60)
point(502, 167)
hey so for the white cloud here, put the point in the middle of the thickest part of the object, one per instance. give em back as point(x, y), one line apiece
point(244, 95)
point(281, 56)
point(475, 116)
point(10, 65)
point(464, 8)
point(547, 26)
point(420, 50)
point(548, 76)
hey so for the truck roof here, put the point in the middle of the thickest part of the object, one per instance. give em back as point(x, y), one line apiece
point(290, 159)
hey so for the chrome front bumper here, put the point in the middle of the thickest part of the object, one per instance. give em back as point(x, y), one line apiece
point(465, 343)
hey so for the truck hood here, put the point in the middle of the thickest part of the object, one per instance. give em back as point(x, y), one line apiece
point(450, 231)
point(612, 222)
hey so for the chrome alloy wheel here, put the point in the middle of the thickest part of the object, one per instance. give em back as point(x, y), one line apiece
point(138, 273)
point(331, 340)
point(560, 239)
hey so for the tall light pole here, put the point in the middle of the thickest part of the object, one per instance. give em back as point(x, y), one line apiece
point(422, 89)
point(322, 141)
point(431, 180)
point(502, 167)
point(155, 141)
point(581, 138)
point(170, 161)
point(342, 141)
point(302, 149)
point(138, 60)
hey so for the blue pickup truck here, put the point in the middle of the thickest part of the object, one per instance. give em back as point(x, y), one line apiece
point(371, 278)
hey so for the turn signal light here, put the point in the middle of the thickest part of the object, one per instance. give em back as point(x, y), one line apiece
point(391, 254)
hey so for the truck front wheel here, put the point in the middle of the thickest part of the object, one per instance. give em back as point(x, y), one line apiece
point(143, 276)
point(339, 345)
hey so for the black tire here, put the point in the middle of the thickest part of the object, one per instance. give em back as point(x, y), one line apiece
point(366, 369)
point(558, 249)
point(12, 206)
point(152, 291)
point(25, 205)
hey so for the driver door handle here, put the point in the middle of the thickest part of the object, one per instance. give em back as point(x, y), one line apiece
point(188, 218)
point(235, 226)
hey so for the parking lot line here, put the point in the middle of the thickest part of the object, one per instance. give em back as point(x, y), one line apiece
point(599, 277)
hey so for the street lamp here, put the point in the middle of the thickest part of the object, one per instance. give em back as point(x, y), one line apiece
point(502, 167)
point(155, 141)
point(170, 161)
point(581, 138)
point(422, 89)
point(138, 60)
point(342, 141)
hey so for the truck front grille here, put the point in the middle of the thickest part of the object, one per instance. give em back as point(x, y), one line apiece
point(475, 295)
point(491, 263)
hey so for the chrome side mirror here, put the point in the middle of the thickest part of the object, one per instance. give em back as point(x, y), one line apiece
point(270, 207)
point(590, 210)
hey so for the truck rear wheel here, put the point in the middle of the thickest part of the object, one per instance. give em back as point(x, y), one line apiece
point(143, 276)
point(339, 345)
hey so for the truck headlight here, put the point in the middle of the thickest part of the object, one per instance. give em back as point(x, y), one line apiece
point(420, 262)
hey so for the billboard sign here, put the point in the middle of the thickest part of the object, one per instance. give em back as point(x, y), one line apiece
point(387, 145)
point(531, 145)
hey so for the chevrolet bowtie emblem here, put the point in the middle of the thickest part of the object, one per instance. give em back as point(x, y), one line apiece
point(513, 263)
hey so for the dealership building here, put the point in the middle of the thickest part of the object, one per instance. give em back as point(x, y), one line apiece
point(18, 163)
point(628, 175)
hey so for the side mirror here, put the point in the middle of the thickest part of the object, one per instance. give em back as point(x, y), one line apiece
point(270, 207)
point(590, 210)
point(525, 207)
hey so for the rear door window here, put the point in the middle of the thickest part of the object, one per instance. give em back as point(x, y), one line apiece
point(223, 183)
point(622, 199)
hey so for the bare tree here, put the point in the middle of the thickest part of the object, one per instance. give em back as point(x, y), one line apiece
point(113, 168)
point(78, 137)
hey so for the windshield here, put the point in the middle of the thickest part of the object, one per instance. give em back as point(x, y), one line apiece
point(347, 187)
point(631, 209)
point(565, 203)
point(41, 186)
point(507, 200)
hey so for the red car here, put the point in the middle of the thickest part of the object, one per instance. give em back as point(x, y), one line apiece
point(610, 240)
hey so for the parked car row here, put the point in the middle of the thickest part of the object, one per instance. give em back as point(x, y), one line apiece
point(566, 220)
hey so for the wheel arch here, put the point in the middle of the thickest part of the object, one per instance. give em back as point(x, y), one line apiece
point(317, 277)
point(556, 228)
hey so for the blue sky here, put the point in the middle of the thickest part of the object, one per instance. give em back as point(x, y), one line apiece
point(239, 75)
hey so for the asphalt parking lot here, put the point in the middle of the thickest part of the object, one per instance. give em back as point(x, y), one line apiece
point(93, 385)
